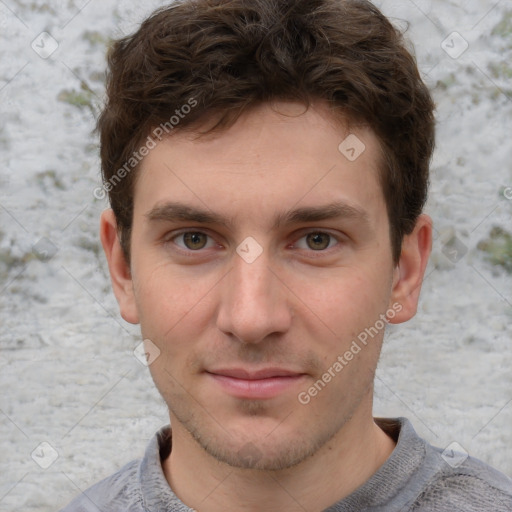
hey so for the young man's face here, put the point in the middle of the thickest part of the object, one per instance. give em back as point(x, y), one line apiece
point(251, 310)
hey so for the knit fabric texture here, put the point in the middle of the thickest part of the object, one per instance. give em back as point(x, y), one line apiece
point(415, 478)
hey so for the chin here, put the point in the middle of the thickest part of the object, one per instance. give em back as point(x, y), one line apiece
point(261, 443)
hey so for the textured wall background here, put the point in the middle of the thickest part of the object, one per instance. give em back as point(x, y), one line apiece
point(68, 374)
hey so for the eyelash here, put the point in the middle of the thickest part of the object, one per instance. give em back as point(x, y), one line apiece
point(193, 253)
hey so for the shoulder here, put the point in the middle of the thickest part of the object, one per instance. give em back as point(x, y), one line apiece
point(134, 488)
point(119, 492)
point(463, 483)
point(420, 477)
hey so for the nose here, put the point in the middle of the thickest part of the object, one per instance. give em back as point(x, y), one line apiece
point(254, 301)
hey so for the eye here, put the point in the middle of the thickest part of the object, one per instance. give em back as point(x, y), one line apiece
point(192, 240)
point(317, 241)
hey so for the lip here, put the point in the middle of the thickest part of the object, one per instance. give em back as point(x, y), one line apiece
point(258, 384)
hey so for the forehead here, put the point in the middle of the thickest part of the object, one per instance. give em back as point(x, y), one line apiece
point(273, 158)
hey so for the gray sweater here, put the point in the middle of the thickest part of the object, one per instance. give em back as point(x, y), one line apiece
point(417, 477)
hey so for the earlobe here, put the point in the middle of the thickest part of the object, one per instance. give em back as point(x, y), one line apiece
point(120, 274)
point(410, 270)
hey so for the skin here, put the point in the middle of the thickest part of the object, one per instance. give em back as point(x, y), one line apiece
point(299, 305)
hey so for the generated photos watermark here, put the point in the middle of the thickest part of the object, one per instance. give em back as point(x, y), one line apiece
point(157, 134)
point(304, 397)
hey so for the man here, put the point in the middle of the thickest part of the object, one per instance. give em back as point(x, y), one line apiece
point(267, 165)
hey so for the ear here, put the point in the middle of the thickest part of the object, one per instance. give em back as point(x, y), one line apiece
point(409, 273)
point(120, 274)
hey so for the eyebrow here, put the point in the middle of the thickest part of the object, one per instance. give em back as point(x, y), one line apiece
point(175, 211)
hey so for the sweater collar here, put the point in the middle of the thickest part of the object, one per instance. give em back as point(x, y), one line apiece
point(385, 483)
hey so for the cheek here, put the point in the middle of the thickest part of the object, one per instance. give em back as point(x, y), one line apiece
point(169, 298)
point(171, 309)
point(347, 300)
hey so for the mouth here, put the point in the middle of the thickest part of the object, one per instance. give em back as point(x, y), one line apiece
point(264, 383)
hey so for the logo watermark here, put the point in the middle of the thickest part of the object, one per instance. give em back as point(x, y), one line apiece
point(304, 397)
point(150, 143)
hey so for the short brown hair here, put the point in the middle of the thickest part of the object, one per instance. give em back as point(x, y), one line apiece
point(225, 56)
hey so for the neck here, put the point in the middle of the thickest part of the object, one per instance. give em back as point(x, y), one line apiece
point(342, 465)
